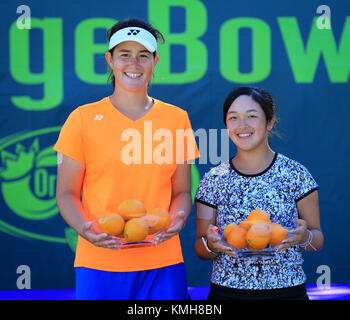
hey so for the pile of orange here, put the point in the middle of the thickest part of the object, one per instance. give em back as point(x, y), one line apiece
point(133, 222)
point(255, 233)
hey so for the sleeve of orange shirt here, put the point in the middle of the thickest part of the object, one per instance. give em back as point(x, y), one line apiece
point(72, 132)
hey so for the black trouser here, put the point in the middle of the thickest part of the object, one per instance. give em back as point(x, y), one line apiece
point(291, 293)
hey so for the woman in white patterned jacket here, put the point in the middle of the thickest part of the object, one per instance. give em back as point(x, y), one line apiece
point(256, 178)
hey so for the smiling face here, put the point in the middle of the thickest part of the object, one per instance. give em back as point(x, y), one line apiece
point(132, 66)
point(247, 125)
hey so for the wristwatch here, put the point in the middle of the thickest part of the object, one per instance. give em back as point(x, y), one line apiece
point(205, 243)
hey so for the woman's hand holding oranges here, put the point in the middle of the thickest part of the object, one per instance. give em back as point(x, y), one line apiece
point(176, 226)
point(300, 236)
point(215, 243)
point(97, 239)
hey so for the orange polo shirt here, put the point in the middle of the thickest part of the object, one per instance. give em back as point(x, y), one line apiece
point(127, 159)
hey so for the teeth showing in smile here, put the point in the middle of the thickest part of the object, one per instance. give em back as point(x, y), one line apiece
point(133, 75)
point(244, 135)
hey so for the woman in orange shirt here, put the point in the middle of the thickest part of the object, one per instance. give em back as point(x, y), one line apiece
point(93, 163)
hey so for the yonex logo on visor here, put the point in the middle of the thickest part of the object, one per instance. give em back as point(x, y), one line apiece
point(137, 34)
point(133, 32)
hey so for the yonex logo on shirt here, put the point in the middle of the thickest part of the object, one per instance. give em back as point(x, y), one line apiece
point(133, 32)
point(98, 117)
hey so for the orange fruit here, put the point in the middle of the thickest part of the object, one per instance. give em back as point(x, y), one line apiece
point(129, 209)
point(164, 218)
point(134, 231)
point(159, 219)
point(237, 238)
point(149, 220)
point(258, 236)
point(278, 234)
point(111, 223)
point(228, 229)
point(245, 224)
point(251, 248)
point(258, 216)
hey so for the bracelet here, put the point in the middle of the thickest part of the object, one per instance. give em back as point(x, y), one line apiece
point(308, 242)
point(205, 243)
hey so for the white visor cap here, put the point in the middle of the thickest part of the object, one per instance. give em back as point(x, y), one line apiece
point(137, 34)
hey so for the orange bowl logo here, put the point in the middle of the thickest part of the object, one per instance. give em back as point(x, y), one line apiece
point(28, 188)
